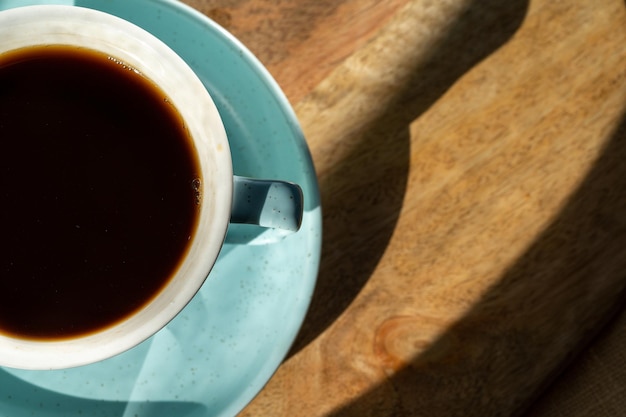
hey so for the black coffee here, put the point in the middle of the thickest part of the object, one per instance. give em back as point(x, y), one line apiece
point(97, 205)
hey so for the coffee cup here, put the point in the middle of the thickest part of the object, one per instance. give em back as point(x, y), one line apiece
point(117, 186)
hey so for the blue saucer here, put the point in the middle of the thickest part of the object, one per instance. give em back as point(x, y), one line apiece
point(224, 347)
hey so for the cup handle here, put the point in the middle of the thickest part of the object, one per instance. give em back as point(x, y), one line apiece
point(267, 203)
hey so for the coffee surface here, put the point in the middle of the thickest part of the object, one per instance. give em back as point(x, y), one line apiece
point(96, 196)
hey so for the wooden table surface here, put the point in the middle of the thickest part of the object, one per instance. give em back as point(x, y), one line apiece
point(470, 160)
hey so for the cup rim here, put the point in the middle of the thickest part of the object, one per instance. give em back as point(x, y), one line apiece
point(84, 27)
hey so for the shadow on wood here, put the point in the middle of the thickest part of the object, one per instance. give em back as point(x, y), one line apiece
point(360, 191)
point(537, 318)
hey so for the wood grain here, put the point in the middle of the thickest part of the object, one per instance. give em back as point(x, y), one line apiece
point(469, 155)
point(300, 41)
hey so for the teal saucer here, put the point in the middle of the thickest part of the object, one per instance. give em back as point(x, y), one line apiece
point(214, 357)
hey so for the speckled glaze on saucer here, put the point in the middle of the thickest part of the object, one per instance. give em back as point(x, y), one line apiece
point(226, 344)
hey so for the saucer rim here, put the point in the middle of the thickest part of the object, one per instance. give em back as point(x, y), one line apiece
point(246, 394)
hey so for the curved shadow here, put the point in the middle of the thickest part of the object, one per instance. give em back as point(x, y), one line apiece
point(351, 209)
point(524, 332)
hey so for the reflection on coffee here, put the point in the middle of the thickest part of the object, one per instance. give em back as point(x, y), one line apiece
point(96, 191)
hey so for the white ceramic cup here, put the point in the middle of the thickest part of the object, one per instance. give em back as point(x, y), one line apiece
point(70, 25)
